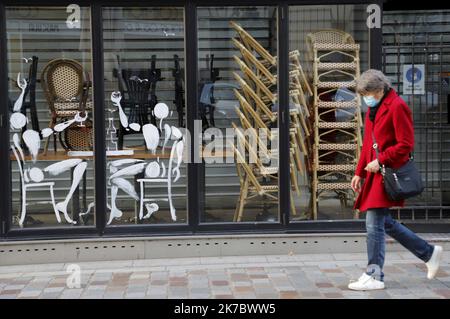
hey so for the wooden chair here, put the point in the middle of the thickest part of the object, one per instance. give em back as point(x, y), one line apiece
point(263, 151)
point(295, 129)
point(250, 185)
point(252, 151)
point(266, 75)
point(251, 43)
point(294, 57)
point(265, 93)
point(66, 87)
point(251, 94)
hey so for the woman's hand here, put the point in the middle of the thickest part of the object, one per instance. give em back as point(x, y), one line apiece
point(373, 166)
point(356, 183)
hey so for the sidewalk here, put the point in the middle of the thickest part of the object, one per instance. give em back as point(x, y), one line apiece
point(299, 276)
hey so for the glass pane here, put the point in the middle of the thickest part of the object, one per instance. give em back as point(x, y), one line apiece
point(337, 37)
point(51, 116)
point(145, 115)
point(238, 108)
point(423, 43)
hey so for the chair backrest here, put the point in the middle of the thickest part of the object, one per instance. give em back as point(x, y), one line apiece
point(63, 80)
point(262, 147)
point(330, 36)
point(251, 149)
point(32, 79)
point(137, 83)
point(241, 162)
point(178, 74)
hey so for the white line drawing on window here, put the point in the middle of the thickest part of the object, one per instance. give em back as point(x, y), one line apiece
point(33, 177)
point(22, 84)
point(154, 171)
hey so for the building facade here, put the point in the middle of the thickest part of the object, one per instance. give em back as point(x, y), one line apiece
point(117, 116)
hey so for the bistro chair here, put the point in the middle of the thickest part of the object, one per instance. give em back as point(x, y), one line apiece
point(66, 87)
point(337, 144)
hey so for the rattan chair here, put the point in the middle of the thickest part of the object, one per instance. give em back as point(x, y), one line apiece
point(327, 38)
point(66, 87)
point(335, 59)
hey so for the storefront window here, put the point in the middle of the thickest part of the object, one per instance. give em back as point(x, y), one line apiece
point(328, 49)
point(411, 44)
point(51, 116)
point(145, 115)
point(237, 88)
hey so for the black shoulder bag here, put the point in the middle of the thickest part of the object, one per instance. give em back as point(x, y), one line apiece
point(403, 182)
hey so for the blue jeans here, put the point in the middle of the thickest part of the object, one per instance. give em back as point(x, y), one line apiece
point(378, 222)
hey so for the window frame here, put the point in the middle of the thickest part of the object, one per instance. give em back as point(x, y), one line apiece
point(194, 170)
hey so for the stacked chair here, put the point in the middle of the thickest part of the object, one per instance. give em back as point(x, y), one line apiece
point(257, 98)
point(337, 124)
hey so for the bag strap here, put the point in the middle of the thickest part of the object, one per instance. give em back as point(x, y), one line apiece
point(375, 146)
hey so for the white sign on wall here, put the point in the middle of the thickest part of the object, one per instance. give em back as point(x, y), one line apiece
point(414, 79)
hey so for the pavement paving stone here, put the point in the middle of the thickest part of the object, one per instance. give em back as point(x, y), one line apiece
point(282, 276)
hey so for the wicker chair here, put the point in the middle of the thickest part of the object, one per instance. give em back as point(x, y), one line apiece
point(327, 37)
point(66, 87)
point(335, 57)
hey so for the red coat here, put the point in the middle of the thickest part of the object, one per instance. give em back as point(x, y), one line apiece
point(394, 133)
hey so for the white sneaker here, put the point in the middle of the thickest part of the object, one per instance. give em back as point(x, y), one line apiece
point(433, 263)
point(366, 282)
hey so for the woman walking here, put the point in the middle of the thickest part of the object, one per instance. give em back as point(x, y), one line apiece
point(390, 119)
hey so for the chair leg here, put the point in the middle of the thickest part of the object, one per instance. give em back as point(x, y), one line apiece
point(293, 210)
point(314, 200)
point(24, 206)
point(120, 139)
point(52, 195)
point(211, 116)
point(243, 199)
point(54, 143)
point(51, 124)
point(236, 211)
point(141, 201)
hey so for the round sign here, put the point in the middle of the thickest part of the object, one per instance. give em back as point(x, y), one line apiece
point(414, 75)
